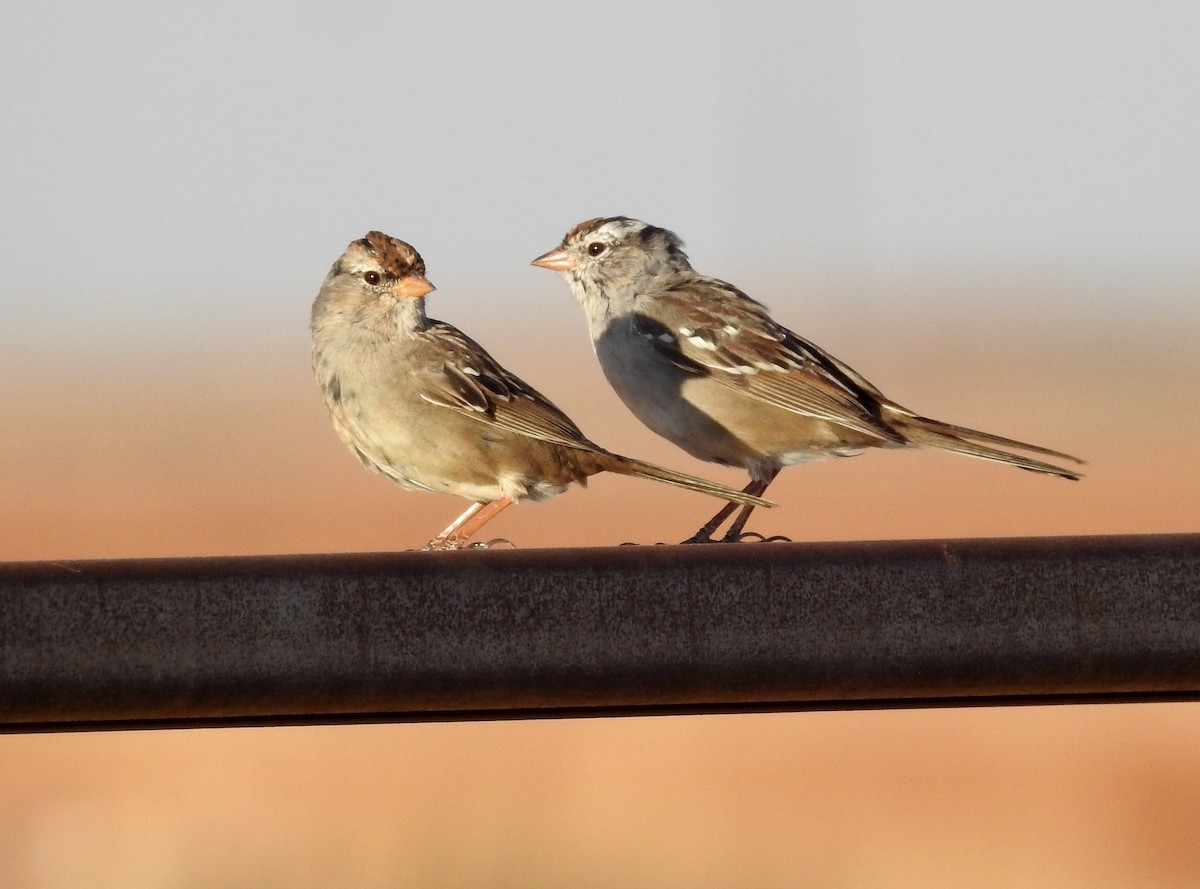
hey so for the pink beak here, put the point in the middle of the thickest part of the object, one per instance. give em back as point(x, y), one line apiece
point(556, 260)
point(412, 286)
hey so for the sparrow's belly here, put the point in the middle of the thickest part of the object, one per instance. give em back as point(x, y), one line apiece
point(657, 392)
point(432, 448)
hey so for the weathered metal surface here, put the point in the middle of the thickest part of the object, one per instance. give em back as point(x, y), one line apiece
point(504, 634)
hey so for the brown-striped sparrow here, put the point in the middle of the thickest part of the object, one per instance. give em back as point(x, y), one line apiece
point(419, 401)
point(705, 366)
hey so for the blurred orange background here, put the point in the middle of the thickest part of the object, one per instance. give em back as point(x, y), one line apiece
point(221, 444)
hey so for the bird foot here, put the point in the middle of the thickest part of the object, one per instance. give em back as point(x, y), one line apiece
point(495, 542)
point(705, 536)
point(755, 537)
point(452, 543)
point(441, 546)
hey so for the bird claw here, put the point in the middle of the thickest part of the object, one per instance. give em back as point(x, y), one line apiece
point(754, 536)
point(743, 537)
point(439, 546)
point(450, 544)
point(502, 542)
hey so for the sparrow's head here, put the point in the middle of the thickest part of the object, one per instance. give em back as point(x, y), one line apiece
point(614, 252)
point(376, 285)
point(379, 266)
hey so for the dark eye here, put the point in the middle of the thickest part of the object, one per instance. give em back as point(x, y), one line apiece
point(596, 248)
point(371, 277)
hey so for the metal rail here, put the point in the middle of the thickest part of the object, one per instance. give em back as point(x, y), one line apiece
point(627, 630)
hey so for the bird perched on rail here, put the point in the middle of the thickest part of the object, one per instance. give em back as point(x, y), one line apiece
point(421, 402)
point(705, 366)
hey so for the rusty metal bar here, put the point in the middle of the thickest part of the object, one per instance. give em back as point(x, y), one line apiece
point(666, 629)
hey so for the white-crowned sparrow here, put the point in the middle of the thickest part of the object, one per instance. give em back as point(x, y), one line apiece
point(421, 402)
point(704, 365)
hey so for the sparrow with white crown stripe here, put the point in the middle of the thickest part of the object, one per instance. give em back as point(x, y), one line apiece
point(706, 367)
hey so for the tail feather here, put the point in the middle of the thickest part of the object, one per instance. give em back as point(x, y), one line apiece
point(973, 443)
point(641, 469)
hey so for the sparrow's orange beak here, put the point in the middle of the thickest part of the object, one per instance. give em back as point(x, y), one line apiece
point(556, 260)
point(412, 286)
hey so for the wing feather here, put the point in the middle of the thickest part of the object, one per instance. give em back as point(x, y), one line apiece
point(716, 330)
point(470, 381)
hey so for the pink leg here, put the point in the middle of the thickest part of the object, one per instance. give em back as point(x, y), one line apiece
point(462, 528)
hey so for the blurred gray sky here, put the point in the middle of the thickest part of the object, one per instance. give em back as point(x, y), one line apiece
point(171, 166)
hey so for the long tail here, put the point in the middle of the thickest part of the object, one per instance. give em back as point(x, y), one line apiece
point(640, 469)
point(961, 440)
